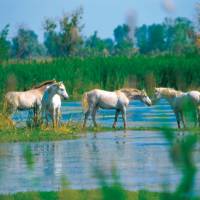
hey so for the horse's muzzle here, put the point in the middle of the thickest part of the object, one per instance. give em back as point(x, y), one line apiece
point(66, 97)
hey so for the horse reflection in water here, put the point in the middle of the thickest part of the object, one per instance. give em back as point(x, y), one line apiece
point(118, 100)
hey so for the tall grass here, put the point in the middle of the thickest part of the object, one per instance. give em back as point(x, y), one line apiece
point(82, 74)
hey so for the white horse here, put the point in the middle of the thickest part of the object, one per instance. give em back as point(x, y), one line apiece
point(178, 100)
point(26, 100)
point(195, 98)
point(51, 102)
point(118, 100)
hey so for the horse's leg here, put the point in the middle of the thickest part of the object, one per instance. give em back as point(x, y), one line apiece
point(124, 116)
point(116, 116)
point(87, 114)
point(196, 118)
point(94, 115)
point(44, 116)
point(39, 114)
point(47, 121)
point(51, 113)
point(182, 119)
point(198, 115)
point(54, 117)
point(35, 112)
point(57, 116)
point(177, 118)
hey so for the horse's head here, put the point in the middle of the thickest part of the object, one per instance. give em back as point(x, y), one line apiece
point(133, 93)
point(145, 98)
point(157, 93)
point(167, 93)
point(60, 89)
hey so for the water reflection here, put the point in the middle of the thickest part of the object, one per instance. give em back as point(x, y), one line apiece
point(141, 158)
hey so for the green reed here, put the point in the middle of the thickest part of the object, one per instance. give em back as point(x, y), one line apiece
point(82, 74)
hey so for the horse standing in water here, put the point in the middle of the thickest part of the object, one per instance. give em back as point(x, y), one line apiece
point(118, 100)
point(51, 102)
point(26, 100)
point(178, 100)
point(195, 98)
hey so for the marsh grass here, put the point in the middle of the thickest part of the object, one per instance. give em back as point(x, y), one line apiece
point(6, 122)
point(81, 195)
point(70, 130)
point(111, 73)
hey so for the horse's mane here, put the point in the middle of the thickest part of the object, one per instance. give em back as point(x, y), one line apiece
point(169, 91)
point(43, 84)
point(129, 90)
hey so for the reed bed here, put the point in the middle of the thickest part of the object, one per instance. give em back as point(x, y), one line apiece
point(82, 74)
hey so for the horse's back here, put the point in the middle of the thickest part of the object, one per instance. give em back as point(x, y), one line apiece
point(11, 97)
point(98, 92)
point(23, 100)
point(194, 95)
point(107, 99)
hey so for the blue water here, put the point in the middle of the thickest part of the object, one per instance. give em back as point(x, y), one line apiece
point(141, 158)
point(138, 115)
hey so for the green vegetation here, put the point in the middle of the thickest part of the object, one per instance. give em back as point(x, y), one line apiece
point(88, 194)
point(111, 73)
point(67, 131)
point(86, 63)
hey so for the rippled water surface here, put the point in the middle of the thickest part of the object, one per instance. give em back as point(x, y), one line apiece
point(141, 158)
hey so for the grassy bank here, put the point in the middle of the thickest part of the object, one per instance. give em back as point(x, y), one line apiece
point(101, 194)
point(109, 73)
point(69, 131)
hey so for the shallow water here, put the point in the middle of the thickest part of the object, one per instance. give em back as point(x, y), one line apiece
point(141, 159)
point(155, 116)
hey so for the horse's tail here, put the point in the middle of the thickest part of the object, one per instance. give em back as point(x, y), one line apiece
point(85, 104)
point(5, 105)
point(4, 114)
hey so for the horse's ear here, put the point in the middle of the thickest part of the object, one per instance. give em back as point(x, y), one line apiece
point(60, 83)
point(143, 91)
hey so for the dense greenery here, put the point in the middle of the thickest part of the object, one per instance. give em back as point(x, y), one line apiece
point(109, 193)
point(111, 73)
